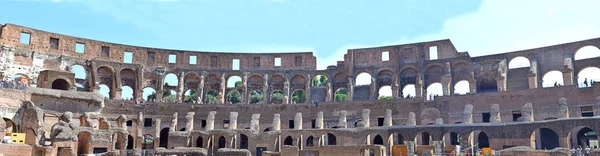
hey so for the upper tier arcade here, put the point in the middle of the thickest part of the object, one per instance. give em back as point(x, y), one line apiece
point(407, 70)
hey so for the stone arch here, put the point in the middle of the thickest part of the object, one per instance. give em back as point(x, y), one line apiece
point(129, 78)
point(234, 97)
point(423, 138)
point(277, 82)
point(341, 95)
point(288, 141)
point(385, 93)
point(461, 70)
point(81, 77)
point(105, 90)
point(256, 97)
point(587, 76)
point(310, 141)
point(320, 80)
point(408, 76)
point(582, 136)
point(213, 81)
point(298, 96)
point(298, 82)
point(340, 80)
point(199, 142)
point(60, 84)
point(191, 80)
point(461, 87)
point(409, 91)
point(83, 143)
point(171, 80)
point(127, 92)
point(487, 83)
point(130, 142)
point(433, 90)
point(330, 139)
point(586, 52)
point(234, 81)
point(399, 138)
point(149, 94)
point(552, 78)
point(190, 96)
point(433, 74)
point(385, 78)
point(363, 78)
point(429, 115)
point(243, 141)
point(222, 142)
point(169, 96)
point(544, 138)
point(277, 97)
point(255, 82)
point(105, 74)
point(378, 140)
point(519, 62)
point(164, 137)
point(451, 138)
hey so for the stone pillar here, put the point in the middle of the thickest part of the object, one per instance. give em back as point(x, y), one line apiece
point(412, 120)
point(180, 87)
point(501, 83)
point(395, 87)
point(501, 78)
point(472, 85)
point(200, 89)
point(366, 118)
point(439, 121)
point(189, 124)
point(276, 122)
point(495, 114)
point(419, 86)
point(387, 121)
point(223, 87)
point(286, 92)
point(156, 127)
point(120, 122)
point(138, 90)
point(532, 75)
point(567, 71)
point(563, 109)
point(245, 93)
point(319, 122)
point(174, 122)
point(160, 82)
point(527, 113)
point(373, 89)
point(254, 123)
point(298, 121)
point(597, 113)
point(342, 122)
point(410, 146)
point(266, 93)
point(438, 147)
point(330, 93)
point(468, 114)
point(446, 80)
point(210, 121)
point(307, 88)
point(350, 90)
point(117, 85)
point(140, 126)
point(233, 117)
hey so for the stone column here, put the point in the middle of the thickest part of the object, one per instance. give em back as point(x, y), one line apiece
point(468, 114)
point(439, 121)
point(373, 89)
point(342, 122)
point(419, 86)
point(160, 82)
point(446, 81)
point(527, 113)
point(286, 92)
point(223, 87)
point(495, 114)
point(156, 127)
point(472, 85)
point(174, 122)
point(117, 85)
point(245, 93)
point(501, 83)
point(201, 88)
point(412, 121)
point(501, 78)
point(210, 121)
point(387, 121)
point(366, 118)
point(180, 87)
point(532, 75)
point(330, 93)
point(410, 146)
point(276, 122)
point(350, 89)
point(319, 122)
point(254, 123)
point(438, 147)
point(597, 113)
point(139, 90)
point(307, 88)
point(298, 121)
point(395, 88)
point(233, 117)
point(563, 109)
point(189, 124)
point(567, 71)
point(140, 126)
point(266, 93)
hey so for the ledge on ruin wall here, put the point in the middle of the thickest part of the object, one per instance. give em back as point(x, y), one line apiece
point(528, 151)
point(15, 149)
point(61, 101)
point(195, 151)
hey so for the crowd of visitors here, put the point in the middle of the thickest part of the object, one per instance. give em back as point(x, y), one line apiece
point(13, 84)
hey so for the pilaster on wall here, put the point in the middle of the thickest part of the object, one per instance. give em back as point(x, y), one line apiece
point(532, 75)
point(138, 90)
point(117, 85)
point(446, 80)
point(180, 86)
point(159, 86)
point(567, 71)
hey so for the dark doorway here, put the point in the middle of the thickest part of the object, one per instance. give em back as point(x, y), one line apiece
point(243, 141)
point(129, 142)
point(331, 140)
point(259, 150)
point(483, 140)
point(60, 84)
point(199, 142)
point(378, 140)
point(487, 84)
point(164, 137)
point(222, 142)
point(288, 141)
point(548, 138)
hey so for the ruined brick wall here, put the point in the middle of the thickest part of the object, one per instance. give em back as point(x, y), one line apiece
point(15, 150)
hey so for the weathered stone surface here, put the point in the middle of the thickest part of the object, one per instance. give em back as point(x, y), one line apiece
point(563, 109)
point(298, 121)
point(210, 120)
point(174, 122)
point(342, 122)
point(412, 120)
point(189, 124)
point(439, 121)
point(276, 122)
point(366, 118)
point(319, 121)
point(64, 129)
point(255, 123)
point(468, 114)
point(233, 119)
point(387, 120)
point(527, 113)
point(495, 116)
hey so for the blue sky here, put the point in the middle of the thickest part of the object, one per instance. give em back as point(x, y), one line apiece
point(327, 28)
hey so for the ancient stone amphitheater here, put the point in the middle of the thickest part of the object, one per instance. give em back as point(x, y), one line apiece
point(131, 100)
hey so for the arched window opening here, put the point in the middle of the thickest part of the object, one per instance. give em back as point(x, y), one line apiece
point(288, 141)
point(330, 139)
point(544, 138)
point(409, 91)
point(277, 97)
point(399, 139)
point(83, 143)
point(164, 138)
point(212, 97)
point(60, 84)
point(171, 80)
point(423, 138)
point(234, 97)
point(587, 77)
point(482, 140)
point(385, 93)
point(451, 138)
point(190, 96)
point(126, 93)
point(552, 79)
point(461, 87)
point(363, 79)
point(487, 84)
point(256, 97)
point(222, 142)
point(105, 91)
point(434, 90)
point(130, 142)
point(234, 82)
point(341, 95)
point(518, 62)
point(199, 142)
point(310, 141)
point(378, 140)
point(319, 80)
point(169, 96)
point(587, 52)
point(243, 141)
point(298, 96)
point(149, 94)
point(80, 77)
